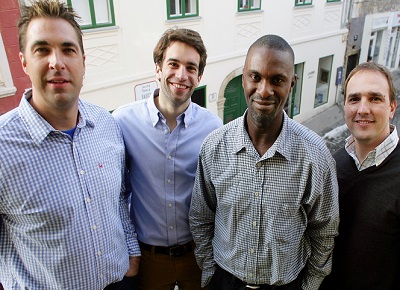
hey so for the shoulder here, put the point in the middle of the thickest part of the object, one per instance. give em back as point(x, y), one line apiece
point(130, 110)
point(8, 118)
point(225, 135)
point(307, 139)
point(204, 115)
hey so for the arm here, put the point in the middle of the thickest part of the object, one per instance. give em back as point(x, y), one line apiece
point(322, 225)
point(129, 228)
point(202, 219)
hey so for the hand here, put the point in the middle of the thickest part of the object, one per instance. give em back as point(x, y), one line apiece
point(133, 266)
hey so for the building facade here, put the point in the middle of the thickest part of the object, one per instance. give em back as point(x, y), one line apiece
point(374, 33)
point(119, 37)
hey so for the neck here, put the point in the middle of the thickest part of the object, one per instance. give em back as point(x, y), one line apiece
point(59, 118)
point(169, 111)
point(262, 137)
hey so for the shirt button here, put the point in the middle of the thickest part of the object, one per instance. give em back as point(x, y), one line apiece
point(251, 251)
point(88, 200)
point(250, 275)
point(171, 227)
point(99, 253)
point(256, 193)
point(165, 131)
point(170, 205)
point(94, 227)
point(169, 180)
point(169, 157)
point(254, 224)
point(81, 172)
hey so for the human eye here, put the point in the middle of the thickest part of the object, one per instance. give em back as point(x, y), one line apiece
point(255, 77)
point(173, 64)
point(353, 99)
point(278, 80)
point(69, 50)
point(41, 50)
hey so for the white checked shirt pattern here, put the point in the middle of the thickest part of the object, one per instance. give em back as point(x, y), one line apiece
point(61, 204)
point(274, 214)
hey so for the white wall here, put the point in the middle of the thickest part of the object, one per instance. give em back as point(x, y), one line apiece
point(118, 59)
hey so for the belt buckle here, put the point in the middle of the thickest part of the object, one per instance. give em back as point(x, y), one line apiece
point(253, 286)
point(176, 251)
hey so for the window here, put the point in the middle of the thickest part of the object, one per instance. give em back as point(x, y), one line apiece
point(6, 82)
point(323, 79)
point(296, 93)
point(94, 13)
point(182, 8)
point(333, 0)
point(303, 2)
point(248, 5)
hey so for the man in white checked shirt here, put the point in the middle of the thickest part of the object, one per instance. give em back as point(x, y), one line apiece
point(264, 210)
point(64, 221)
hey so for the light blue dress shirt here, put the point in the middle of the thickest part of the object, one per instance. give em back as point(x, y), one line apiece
point(162, 167)
point(64, 221)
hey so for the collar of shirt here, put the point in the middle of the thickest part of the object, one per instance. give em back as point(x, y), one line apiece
point(280, 144)
point(157, 116)
point(376, 156)
point(38, 127)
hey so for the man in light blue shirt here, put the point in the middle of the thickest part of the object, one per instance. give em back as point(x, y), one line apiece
point(64, 221)
point(163, 135)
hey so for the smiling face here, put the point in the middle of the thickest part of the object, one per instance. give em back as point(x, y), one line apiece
point(268, 77)
point(368, 109)
point(178, 74)
point(54, 62)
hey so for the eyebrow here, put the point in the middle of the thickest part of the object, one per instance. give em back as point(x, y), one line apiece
point(177, 60)
point(369, 93)
point(63, 44)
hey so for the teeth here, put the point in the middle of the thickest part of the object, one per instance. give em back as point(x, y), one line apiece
point(179, 86)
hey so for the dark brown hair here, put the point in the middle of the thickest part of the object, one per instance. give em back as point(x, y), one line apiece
point(187, 36)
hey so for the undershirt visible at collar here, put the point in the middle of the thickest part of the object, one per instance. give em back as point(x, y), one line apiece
point(70, 132)
point(376, 156)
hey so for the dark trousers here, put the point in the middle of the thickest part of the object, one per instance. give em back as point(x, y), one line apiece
point(159, 271)
point(223, 280)
point(128, 283)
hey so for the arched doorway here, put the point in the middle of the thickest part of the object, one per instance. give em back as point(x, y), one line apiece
point(235, 101)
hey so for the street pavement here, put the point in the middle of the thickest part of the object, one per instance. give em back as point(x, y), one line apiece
point(330, 124)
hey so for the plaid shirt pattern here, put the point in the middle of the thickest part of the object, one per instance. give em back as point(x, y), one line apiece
point(264, 219)
point(61, 205)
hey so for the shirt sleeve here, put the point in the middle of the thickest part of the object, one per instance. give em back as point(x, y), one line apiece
point(127, 225)
point(202, 219)
point(322, 225)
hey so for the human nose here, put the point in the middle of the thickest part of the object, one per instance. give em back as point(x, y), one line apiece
point(265, 89)
point(56, 61)
point(181, 73)
point(363, 107)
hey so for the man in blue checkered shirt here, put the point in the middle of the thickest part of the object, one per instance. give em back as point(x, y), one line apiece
point(64, 221)
point(264, 210)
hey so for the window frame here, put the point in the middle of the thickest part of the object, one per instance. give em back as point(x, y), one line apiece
point(330, 1)
point(93, 15)
point(183, 14)
point(249, 8)
point(304, 2)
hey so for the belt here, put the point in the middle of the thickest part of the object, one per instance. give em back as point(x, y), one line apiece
point(173, 251)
